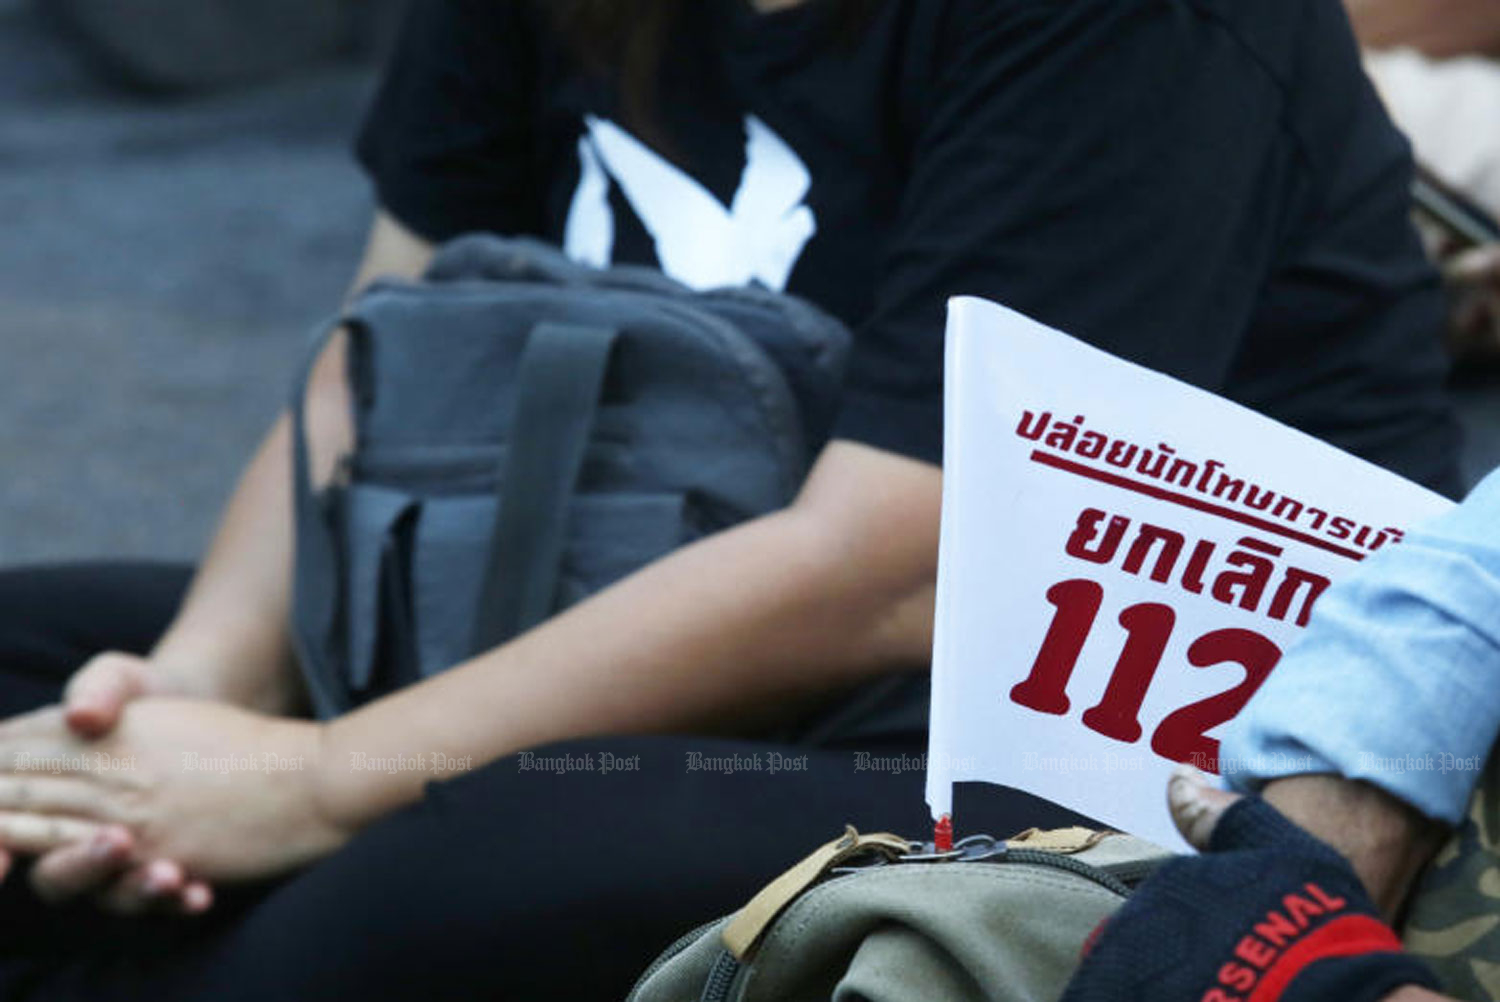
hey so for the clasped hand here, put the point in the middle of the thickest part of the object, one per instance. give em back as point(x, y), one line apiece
point(178, 793)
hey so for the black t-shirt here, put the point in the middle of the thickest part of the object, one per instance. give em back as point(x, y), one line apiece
point(1207, 187)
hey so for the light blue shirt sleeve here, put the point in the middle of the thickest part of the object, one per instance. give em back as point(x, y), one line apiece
point(1397, 679)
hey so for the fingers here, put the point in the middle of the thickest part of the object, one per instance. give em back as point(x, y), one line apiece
point(103, 867)
point(143, 888)
point(1196, 805)
point(38, 741)
point(33, 834)
point(42, 723)
point(196, 898)
point(54, 795)
point(66, 873)
point(98, 692)
point(161, 885)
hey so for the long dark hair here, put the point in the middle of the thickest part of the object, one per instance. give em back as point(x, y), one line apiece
point(627, 39)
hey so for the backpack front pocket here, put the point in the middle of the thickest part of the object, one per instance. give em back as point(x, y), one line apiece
point(609, 537)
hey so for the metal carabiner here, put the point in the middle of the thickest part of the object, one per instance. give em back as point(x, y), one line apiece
point(965, 850)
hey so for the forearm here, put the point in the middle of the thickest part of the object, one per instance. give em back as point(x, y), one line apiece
point(1385, 841)
point(1397, 681)
point(229, 639)
point(766, 614)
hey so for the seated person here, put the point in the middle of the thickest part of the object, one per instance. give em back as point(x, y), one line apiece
point(1371, 735)
point(1207, 187)
point(1396, 688)
point(1434, 63)
point(1269, 913)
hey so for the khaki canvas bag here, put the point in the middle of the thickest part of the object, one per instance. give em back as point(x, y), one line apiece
point(875, 918)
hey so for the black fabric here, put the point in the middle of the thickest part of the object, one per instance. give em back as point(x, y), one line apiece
point(1217, 927)
point(1208, 187)
point(530, 878)
point(54, 618)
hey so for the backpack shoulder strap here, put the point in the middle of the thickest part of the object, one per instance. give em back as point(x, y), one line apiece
point(560, 377)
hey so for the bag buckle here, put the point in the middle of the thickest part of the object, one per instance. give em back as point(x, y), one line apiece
point(973, 849)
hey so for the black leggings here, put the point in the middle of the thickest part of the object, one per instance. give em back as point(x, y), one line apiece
point(509, 882)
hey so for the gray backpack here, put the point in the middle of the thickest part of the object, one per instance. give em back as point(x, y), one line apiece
point(529, 430)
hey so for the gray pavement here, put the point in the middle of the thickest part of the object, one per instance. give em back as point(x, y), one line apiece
point(160, 265)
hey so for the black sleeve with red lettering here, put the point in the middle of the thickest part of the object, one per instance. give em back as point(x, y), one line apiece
point(1271, 914)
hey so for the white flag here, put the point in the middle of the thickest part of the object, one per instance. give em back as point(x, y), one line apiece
point(1124, 558)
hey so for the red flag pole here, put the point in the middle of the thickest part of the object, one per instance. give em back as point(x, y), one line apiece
point(942, 834)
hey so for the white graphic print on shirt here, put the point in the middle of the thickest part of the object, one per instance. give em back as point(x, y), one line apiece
point(699, 242)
